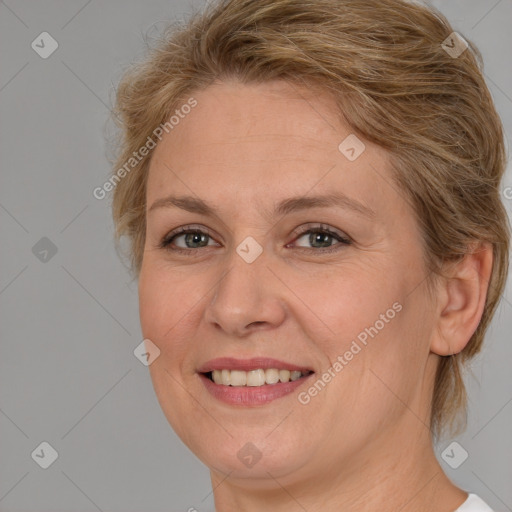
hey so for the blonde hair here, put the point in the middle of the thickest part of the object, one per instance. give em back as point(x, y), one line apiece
point(395, 84)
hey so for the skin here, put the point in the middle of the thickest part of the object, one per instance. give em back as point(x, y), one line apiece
point(363, 442)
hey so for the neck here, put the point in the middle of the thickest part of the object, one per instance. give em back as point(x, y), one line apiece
point(390, 475)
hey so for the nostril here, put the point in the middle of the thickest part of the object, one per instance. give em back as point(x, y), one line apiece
point(259, 322)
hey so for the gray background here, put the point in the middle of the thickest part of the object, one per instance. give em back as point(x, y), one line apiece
point(70, 324)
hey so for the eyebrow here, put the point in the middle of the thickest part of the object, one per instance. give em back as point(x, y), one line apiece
point(195, 205)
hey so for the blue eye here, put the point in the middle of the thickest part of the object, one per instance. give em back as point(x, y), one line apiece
point(193, 239)
point(319, 237)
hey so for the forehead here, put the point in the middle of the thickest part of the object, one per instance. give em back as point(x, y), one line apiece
point(248, 142)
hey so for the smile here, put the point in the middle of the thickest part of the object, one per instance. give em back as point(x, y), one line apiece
point(254, 378)
point(251, 382)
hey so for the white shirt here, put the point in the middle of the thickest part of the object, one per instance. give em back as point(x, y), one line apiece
point(474, 504)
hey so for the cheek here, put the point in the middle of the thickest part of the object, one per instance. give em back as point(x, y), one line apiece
point(170, 310)
point(376, 326)
point(393, 381)
point(165, 299)
point(347, 304)
point(165, 307)
point(152, 303)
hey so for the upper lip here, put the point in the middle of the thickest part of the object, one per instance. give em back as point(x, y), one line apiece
point(255, 363)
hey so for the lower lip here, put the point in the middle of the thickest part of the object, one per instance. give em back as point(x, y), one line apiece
point(252, 395)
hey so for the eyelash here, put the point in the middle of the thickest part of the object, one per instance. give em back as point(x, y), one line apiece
point(319, 228)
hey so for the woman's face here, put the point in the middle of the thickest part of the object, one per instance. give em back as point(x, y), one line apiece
point(253, 281)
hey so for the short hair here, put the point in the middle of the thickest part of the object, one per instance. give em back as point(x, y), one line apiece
point(388, 65)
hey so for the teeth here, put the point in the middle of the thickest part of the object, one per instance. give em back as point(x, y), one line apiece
point(295, 375)
point(271, 376)
point(238, 378)
point(284, 375)
point(217, 376)
point(258, 377)
point(226, 377)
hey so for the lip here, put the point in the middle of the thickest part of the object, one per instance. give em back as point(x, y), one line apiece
point(252, 395)
point(246, 365)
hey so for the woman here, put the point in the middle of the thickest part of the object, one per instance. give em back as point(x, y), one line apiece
point(311, 192)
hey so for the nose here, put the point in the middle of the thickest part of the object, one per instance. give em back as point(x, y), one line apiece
point(246, 298)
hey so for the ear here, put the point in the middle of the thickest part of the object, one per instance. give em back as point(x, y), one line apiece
point(461, 300)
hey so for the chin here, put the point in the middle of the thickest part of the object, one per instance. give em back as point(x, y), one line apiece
point(252, 454)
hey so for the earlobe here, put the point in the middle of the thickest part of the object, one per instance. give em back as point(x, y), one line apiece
point(463, 293)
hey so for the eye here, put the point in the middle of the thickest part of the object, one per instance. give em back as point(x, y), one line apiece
point(187, 238)
point(191, 238)
point(321, 237)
